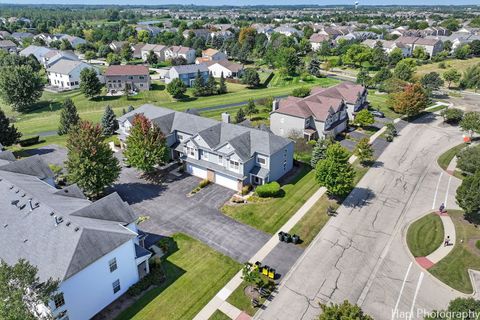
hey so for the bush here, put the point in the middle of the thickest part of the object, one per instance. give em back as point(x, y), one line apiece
point(452, 115)
point(268, 190)
point(301, 92)
point(477, 244)
point(155, 278)
point(389, 138)
point(29, 141)
point(116, 142)
point(246, 189)
point(203, 183)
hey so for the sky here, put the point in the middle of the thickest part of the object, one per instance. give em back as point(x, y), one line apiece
point(246, 2)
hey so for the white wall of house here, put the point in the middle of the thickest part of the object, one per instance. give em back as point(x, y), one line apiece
point(89, 291)
point(217, 69)
point(285, 125)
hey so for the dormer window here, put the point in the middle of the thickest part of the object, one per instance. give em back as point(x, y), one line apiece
point(234, 164)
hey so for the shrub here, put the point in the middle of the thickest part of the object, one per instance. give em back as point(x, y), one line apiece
point(268, 190)
point(29, 141)
point(246, 189)
point(203, 183)
point(301, 92)
point(116, 142)
point(477, 244)
point(155, 278)
point(389, 138)
point(452, 115)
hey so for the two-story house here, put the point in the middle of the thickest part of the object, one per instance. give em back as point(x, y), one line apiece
point(94, 249)
point(224, 153)
point(157, 49)
point(135, 77)
point(179, 51)
point(211, 55)
point(65, 74)
point(187, 73)
point(8, 45)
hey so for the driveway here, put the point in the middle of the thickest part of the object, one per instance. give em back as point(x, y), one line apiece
point(170, 210)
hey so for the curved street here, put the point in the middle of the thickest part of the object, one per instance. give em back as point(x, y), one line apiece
point(361, 254)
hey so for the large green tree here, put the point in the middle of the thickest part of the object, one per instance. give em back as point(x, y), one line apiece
point(68, 117)
point(8, 133)
point(471, 123)
point(432, 81)
point(335, 172)
point(364, 118)
point(90, 161)
point(344, 311)
point(146, 145)
point(176, 88)
point(90, 85)
point(319, 151)
point(21, 291)
point(405, 69)
point(469, 159)
point(20, 87)
point(251, 78)
point(222, 86)
point(451, 75)
point(364, 151)
point(198, 85)
point(411, 101)
point(468, 197)
point(109, 122)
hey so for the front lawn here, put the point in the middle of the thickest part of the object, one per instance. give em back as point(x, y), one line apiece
point(195, 273)
point(446, 157)
point(459, 65)
point(219, 315)
point(452, 270)
point(425, 235)
point(379, 101)
point(270, 214)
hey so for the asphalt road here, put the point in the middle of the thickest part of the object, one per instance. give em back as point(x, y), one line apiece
point(361, 255)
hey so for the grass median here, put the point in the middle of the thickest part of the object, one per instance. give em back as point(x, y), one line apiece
point(425, 235)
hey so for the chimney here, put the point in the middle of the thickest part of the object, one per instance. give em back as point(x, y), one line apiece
point(226, 117)
point(275, 104)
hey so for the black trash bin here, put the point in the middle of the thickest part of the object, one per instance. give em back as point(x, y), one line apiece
point(287, 237)
point(295, 239)
point(280, 236)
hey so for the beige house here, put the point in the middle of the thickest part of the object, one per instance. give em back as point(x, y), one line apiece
point(136, 78)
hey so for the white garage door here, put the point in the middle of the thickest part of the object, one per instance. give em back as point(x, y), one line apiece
point(196, 171)
point(228, 182)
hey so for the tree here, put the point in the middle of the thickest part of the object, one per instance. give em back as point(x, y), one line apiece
point(314, 68)
point(475, 47)
point(451, 24)
point(250, 275)
point(143, 36)
point(251, 108)
point(176, 88)
point(431, 81)
point(364, 118)
point(395, 56)
point(471, 78)
point(288, 58)
point(379, 58)
point(335, 172)
point(452, 115)
point(468, 197)
point(178, 61)
point(211, 85)
point(342, 311)
point(146, 145)
point(68, 117)
point(113, 59)
point(251, 78)
point(126, 52)
point(471, 123)
point(411, 101)
point(462, 52)
point(363, 78)
point(90, 161)
point(381, 76)
point(451, 75)
point(404, 70)
point(364, 151)
point(240, 116)
point(8, 133)
point(301, 92)
point(319, 151)
point(89, 55)
point(420, 53)
point(357, 54)
point(458, 306)
point(22, 292)
point(222, 86)
point(199, 87)
point(20, 87)
point(109, 122)
point(469, 159)
point(152, 58)
point(90, 85)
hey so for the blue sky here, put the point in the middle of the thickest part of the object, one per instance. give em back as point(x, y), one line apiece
point(246, 2)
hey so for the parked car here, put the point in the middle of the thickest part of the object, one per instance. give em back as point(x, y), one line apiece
point(378, 113)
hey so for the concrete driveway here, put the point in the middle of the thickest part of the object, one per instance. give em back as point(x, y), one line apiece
point(171, 210)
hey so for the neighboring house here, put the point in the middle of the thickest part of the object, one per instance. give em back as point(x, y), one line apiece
point(313, 117)
point(388, 46)
point(47, 56)
point(199, 33)
point(73, 40)
point(224, 153)
point(158, 49)
point(8, 46)
point(317, 39)
point(179, 51)
point(211, 55)
point(229, 69)
point(65, 74)
point(5, 34)
point(20, 36)
point(152, 30)
point(137, 50)
point(187, 73)
point(94, 249)
point(116, 46)
point(288, 31)
point(431, 46)
point(137, 78)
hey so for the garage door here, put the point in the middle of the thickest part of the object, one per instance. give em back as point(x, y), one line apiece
point(196, 171)
point(228, 182)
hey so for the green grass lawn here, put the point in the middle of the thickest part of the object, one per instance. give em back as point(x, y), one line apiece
point(45, 117)
point(195, 273)
point(219, 315)
point(239, 299)
point(459, 65)
point(445, 159)
point(379, 101)
point(263, 115)
point(270, 214)
point(425, 235)
point(452, 270)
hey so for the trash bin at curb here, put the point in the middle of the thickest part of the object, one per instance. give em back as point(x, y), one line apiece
point(287, 237)
point(295, 239)
point(280, 236)
point(265, 270)
point(271, 273)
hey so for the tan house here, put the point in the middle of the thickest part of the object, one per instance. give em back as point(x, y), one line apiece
point(136, 78)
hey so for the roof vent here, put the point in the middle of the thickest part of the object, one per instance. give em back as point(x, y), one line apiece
point(15, 202)
point(5, 225)
point(68, 223)
point(11, 187)
point(17, 191)
point(76, 229)
point(58, 220)
point(33, 206)
point(52, 213)
point(25, 240)
point(22, 206)
point(23, 195)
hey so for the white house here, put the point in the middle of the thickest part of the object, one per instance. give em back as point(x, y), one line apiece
point(65, 74)
point(180, 51)
point(94, 249)
point(157, 49)
point(229, 69)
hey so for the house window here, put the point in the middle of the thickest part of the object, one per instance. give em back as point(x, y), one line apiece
point(220, 159)
point(141, 84)
point(234, 164)
point(76, 83)
point(180, 137)
point(58, 300)
point(130, 77)
point(113, 264)
point(285, 165)
point(204, 155)
point(191, 151)
point(141, 77)
point(116, 286)
point(261, 160)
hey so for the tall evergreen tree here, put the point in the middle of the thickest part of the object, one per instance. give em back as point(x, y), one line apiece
point(68, 117)
point(318, 152)
point(8, 133)
point(314, 67)
point(198, 85)
point(109, 122)
point(251, 108)
point(240, 116)
point(90, 161)
point(222, 86)
point(211, 85)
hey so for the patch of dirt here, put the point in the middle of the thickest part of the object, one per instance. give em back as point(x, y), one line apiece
point(472, 247)
point(251, 292)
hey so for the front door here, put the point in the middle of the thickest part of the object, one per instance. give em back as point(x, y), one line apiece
point(257, 180)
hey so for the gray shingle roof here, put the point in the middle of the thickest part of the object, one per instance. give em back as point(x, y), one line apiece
point(190, 68)
point(88, 231)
